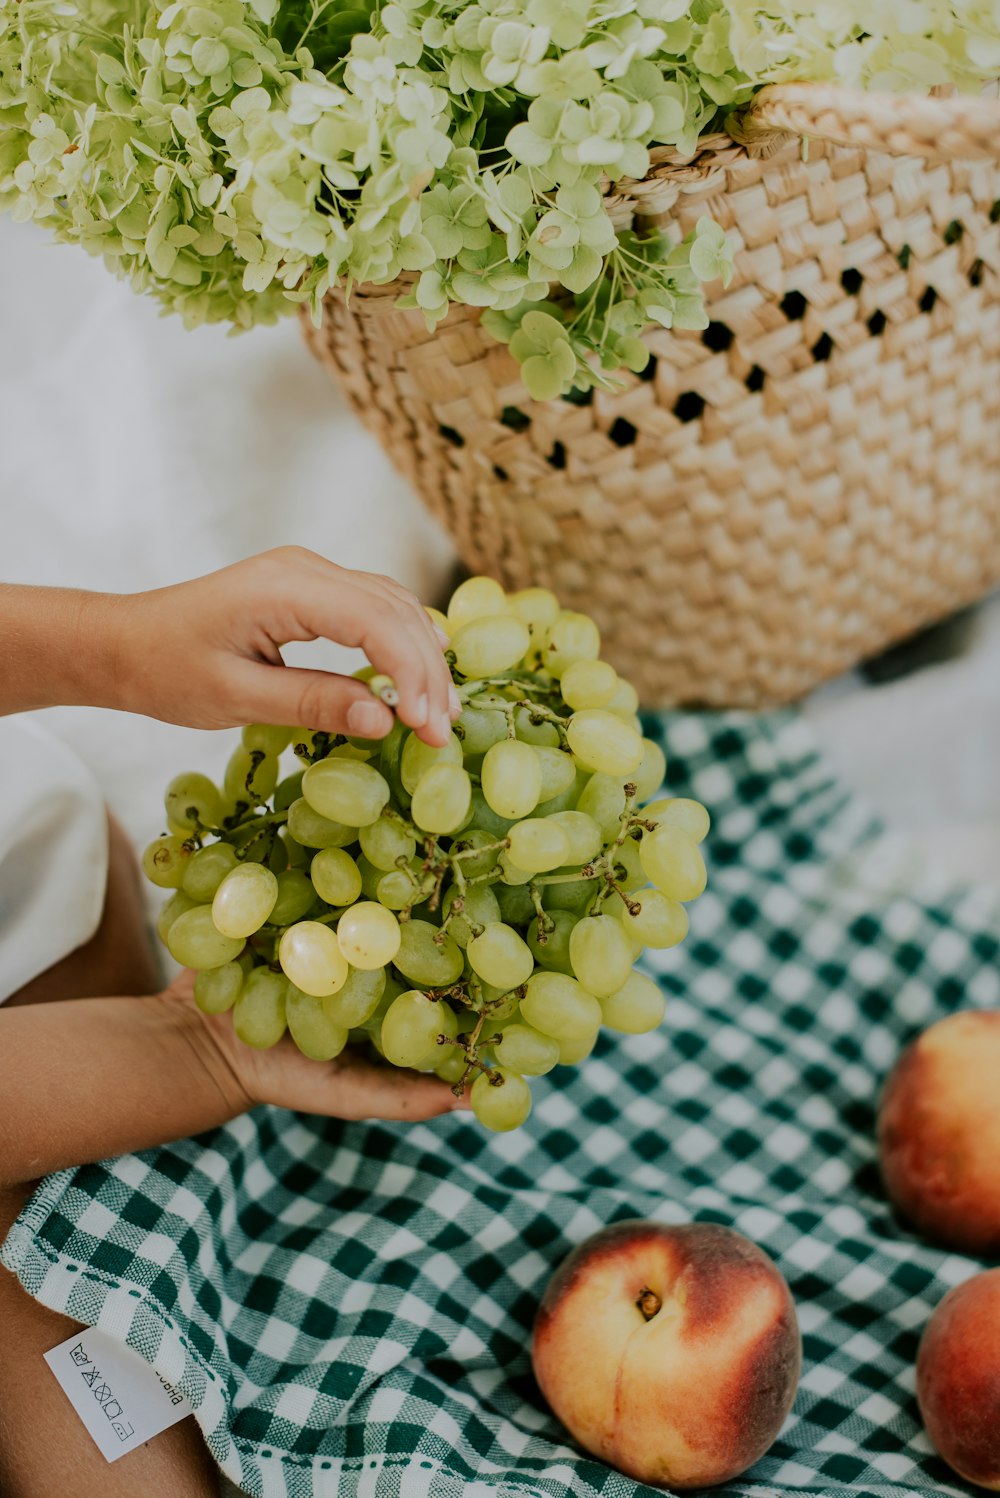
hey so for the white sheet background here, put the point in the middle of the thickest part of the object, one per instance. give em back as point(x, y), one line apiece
point(133, 453)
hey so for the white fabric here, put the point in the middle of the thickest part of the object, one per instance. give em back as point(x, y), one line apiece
point(53, 852)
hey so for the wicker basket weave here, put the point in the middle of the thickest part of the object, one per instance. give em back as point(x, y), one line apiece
point(814, 476)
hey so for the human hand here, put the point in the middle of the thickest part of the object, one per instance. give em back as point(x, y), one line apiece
point(207, 653)
point(349, 1087)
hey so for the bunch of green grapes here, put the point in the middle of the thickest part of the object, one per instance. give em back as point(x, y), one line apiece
point(473, 910)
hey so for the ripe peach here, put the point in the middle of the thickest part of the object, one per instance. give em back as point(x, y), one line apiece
point(939, 1132)
point(672, 1353)
point(958, 1379)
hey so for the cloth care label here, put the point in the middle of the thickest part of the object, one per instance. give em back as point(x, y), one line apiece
point(121, 1400)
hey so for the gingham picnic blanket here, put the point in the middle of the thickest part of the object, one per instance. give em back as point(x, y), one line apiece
point(349, 1306)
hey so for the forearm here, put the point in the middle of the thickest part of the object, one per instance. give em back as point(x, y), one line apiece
point(90, 1078)
point(57, 648)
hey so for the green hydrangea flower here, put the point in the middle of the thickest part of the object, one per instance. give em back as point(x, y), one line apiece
point(236, 158)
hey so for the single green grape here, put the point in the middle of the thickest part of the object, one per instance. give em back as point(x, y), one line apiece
point(417, 758)
point(558, 771)
point(501, 1107)
point(244, 900)
point(485, 819)
point(531, 728)
point(288, 790)
point(296, 897)
point(482, 728)
point(312, 830)
point(178, 903)
point(165, 861)
point(560, 1006)
point(625, 700)
point(605, 743)
point(454, 1066)
point(588, 684)
point(384, 843)
point(472, 599)
point(515, 902)
point(537, 607)
point(575, 895)
point(582, 834)
point(512, 779)
point(259, 1013)
point(193, 801)
point(637, 1007)
point(490, 644)
point(424, 960)
point(314, 1032)
point(500, 956)
point(206, 870)
point(193, 940)
point(311, 958)
point(479, 849)
point(658, 922)
point(538, 844)
point(479, 908)
point(442, 799)
point(400, 889)
point(600, 953)
point(677, 811)
point(572, 1052)
point(345, 790)
point(267, 737)
point(649, 776)
point(570, 637)
point(603, 800)
point(411, 1028)
point(526, 1050)
point(335, 876)
point(249, 778)
point(553, 952)
point(368, 935)
point(355, 1003)
point(673, 861)
point(217, 988)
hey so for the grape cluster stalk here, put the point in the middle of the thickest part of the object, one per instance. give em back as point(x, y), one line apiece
point(474, 910)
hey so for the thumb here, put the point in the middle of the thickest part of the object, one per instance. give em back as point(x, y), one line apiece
point(313, 699)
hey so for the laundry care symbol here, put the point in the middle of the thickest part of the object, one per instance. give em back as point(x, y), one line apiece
point(102, 1392)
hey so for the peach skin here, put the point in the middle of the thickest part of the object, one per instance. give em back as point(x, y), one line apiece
point(958, 1379)
point(672, 1353)
point(939, 1133)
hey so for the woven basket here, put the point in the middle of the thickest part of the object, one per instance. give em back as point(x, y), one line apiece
point(814, 476)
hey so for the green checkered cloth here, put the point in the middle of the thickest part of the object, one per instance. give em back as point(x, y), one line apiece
point(349, 1306)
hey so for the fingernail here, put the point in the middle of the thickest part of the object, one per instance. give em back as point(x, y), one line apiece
point(420, 711)
point(454, 702)
point(445, 642)
point(444, 725)
point(366, 719)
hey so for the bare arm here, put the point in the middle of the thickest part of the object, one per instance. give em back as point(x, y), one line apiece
point(90, 1078)
point(207, 653)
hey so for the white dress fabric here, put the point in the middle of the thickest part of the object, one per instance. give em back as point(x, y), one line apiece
point(53, 852)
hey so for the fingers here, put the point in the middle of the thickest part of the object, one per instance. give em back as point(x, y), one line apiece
point(316, 699)
point(374, 1091)
point(391, 626)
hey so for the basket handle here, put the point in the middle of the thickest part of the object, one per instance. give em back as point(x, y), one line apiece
point(959, 127)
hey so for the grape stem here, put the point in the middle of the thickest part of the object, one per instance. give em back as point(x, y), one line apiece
point(545, 921)
point(604, 866)
point(470, 689)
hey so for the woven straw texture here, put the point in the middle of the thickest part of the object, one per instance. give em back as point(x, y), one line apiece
point(813, 477)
